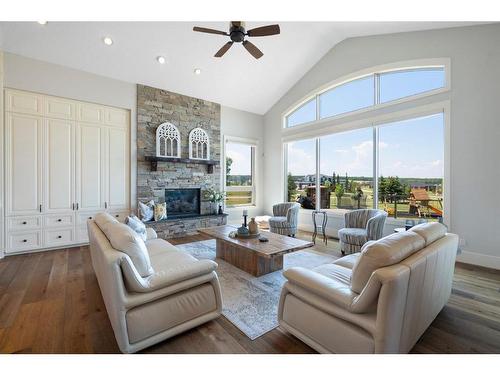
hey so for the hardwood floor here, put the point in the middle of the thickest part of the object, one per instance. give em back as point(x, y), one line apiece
point(50, 303)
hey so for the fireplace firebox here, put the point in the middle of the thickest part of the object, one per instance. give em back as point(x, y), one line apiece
point(183, 202)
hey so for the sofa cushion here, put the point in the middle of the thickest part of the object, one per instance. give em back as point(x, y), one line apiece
point(170, 265)
point(355, 236)
point(103, 218)
point(430, 231)
point(348, 261)
point(382, 253)
point(125, 239)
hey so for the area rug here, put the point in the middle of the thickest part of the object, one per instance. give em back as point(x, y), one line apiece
point(251, 303)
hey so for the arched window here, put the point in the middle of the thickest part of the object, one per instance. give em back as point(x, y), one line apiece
point(168, 141)
point(368, 91)
point(199, 144)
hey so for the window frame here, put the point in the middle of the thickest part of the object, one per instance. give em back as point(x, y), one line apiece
point(254, 144)
point(421, 64)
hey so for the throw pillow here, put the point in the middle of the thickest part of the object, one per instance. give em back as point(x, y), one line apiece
point(136, 224)
point(160, 211)
point(146, 210)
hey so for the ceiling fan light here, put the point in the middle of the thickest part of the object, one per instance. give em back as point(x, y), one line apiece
point(197, 71)
point(161, 59)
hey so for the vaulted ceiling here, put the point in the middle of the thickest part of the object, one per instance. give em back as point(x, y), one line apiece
point(236, 80)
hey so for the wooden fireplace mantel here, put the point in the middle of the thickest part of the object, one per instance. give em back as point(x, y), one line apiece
point(154, 160)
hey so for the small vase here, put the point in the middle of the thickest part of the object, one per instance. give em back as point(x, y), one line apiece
point(220, 212)
point(253, 228)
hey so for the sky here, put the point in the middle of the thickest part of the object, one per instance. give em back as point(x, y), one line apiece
point(412, 148)
point(242, 158)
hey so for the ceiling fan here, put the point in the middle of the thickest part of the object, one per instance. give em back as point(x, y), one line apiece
point(237, 33)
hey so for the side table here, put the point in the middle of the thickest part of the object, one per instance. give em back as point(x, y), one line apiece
point(320, 225)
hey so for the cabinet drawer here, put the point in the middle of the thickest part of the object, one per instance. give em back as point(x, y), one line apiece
point(82, 234)
point(23, 223)
point(59, 220)
point(119, 215)
point(56, 237)
point(20, 241)
point(82, 217)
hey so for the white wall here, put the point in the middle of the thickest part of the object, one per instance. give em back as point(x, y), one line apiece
point(243, 124)
point(475, 114)
point(32, 75)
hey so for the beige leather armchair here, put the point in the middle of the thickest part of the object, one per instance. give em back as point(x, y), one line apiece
point(378, 301)
point(178, 293)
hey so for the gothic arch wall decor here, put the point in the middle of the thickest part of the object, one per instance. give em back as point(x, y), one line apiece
point(199, 144)
point(168, 141)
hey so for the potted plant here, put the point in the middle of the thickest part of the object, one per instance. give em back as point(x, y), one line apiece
point(216, 197)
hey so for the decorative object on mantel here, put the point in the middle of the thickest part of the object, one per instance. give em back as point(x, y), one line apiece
point(155, 159)
point(168, 141)
point(199, 144)
point(216, 198)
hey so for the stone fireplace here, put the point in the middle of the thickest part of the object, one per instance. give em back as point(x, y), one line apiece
point(154, 107)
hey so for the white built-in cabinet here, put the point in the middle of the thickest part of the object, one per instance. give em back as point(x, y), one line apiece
point(65, 161)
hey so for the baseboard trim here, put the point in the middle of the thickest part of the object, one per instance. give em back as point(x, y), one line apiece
point(478, 259)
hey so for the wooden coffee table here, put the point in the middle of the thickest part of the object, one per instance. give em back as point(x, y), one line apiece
point(251, 255)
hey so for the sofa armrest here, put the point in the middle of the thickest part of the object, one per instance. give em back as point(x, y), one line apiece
point(166, 277)
point(150, 234)
point(329, 289)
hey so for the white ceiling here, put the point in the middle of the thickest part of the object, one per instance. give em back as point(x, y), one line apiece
point(237, 80)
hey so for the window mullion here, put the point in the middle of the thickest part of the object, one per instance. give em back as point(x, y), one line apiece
point(376, 84)
point(318, 178)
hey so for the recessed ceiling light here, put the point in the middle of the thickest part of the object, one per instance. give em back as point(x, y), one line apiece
point(197, 71)
point(42, 22)
point(108, 41)
point(161, 59)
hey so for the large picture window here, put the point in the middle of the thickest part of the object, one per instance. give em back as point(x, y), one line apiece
point(240, 174)
point(410, 167)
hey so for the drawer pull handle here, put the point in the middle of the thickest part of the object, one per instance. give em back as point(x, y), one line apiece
point(117, 215)
point(59, 236)
point(59, 220)
point(25, 240)
point(25, 222)
point(90, 217)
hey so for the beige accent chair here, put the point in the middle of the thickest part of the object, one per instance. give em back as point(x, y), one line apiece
point(378, 301)
point(151, 289)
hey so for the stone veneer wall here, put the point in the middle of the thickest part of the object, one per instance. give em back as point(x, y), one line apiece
point(155, 106)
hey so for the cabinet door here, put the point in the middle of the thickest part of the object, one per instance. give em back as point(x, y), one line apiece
point(23, 164)
point(117, 180)
point(89, 167)
point(59, 194)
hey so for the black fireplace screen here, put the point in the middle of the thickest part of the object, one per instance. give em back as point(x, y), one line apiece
point(182, 202)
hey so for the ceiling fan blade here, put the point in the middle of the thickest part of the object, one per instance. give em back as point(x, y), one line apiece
point(209, 31)
point(254, 51)
point(264, 30)
point(224, 49)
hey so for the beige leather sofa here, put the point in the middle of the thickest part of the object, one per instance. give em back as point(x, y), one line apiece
point(151, 289)
point(378, 301)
